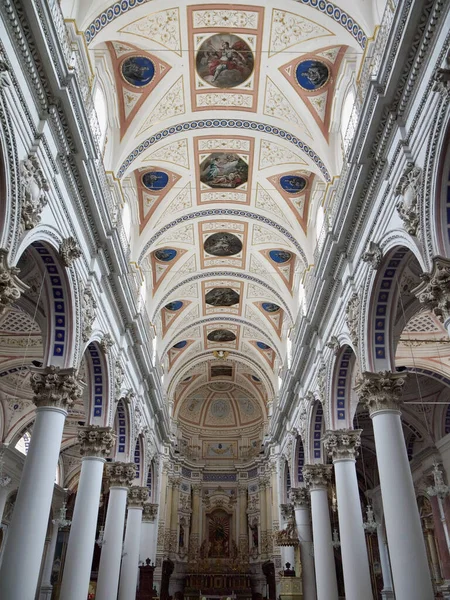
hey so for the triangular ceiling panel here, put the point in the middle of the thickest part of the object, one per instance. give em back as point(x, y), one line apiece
point(162, 262)
point(170, 313)
point(295, 187)
point(152, 184)
point(273, 313)
point(265, 350)
point(136, 73)
point(284, 264)
point(177, 350)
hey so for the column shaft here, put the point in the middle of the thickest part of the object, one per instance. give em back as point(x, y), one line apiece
point(46, 583)
point(80, 548)
point(323, 550)
point(130, 561)
point(4, 493)
point(28, 528)
point(109, 570)
point(385, 565)
point(404, 532)
point(355, 561)
point(303, 523)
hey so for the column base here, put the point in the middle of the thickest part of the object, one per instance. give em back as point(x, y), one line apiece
point(45, 592)
point(387, 595)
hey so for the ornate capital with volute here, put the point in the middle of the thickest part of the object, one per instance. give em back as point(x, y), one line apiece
point(299, 497)
point(434, 291)
point(317, 476)
point(69, 251)
point(55, 387)
point(408, 188)
point(95, 440)
point(196, 488)
point(342, 444)
point(287, 510)
point(175, 482)
point(120, 474)
point(149, 512)
point(137, 496)
point(242, 490)
point(106, 343)
point(10, 285)
point(380, 391)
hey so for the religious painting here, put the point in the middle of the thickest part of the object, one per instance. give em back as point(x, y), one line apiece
point(165, 254)
point(224, 60)
point(280, 256)
point(222, 244)
point(221, 371)
point(223, 170)
point(293, 184)
point(222, 297)
point(138, 71)
point(219, 534)
point(270, 307)
point(155, 181)
point(312, 74)
point(221, 335)
point(174, 305)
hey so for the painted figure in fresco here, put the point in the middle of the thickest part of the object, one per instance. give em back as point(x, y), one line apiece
point(224, 60)
point(222, 244)
point(223, 170)
point(312, 74)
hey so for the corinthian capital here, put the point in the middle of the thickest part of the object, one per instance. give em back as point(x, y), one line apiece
point(380, 391)
point(343, 444)
point(137, 496)
point(175, 482)
point(434, 291)
point(56, 387)
point(10, 285)
point(287, 511)
point(95, 440)
point(120, 474)
point(149, 513)
point(317, 476)
point(299, 497)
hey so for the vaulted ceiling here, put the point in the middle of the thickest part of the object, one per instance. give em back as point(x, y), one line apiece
point(224, 131)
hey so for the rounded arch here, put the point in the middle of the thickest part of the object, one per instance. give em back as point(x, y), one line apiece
point(316, 429)
point(99, 387)
point(138, 458)
point(299, 462)
point(341, 388)
point(122, 428)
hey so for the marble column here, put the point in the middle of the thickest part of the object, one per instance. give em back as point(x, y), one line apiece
point(168, 516)
point(120, 477)
point(342, 446)
point(263, 483)
point(301, 501)
point(194, 542)
point(95, 445)
point(287, 516)
point(381, 393)
point(387, 593)
point(137, 496)
point(54, 390)
point(5, 489)
point(176, 484)
point(148, 532)
point(317, 477)
point(243, 527)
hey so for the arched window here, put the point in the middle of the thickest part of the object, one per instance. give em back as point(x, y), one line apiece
point(102, 114)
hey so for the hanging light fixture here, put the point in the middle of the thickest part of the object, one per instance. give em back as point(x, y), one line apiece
point(370, 525)
point(62, 520)
point(336, 543)
point(100, 541)
point(439, 488)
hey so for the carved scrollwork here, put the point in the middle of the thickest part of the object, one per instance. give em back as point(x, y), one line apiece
point(373, 255)
point(88, 311)
point(434, 291)
point(69, 251)
point(409, 188)
point(352, 317)
point(34, 187)
point(10, 285)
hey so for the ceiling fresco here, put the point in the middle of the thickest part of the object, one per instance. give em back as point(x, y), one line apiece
point(223, 133)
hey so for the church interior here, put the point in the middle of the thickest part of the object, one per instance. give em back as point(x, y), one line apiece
point(224, 300)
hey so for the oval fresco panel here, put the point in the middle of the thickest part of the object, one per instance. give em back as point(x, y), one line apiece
point(280, 256)
point(223, 244)
point(173, 306)
point(165, 254)
point(138, 71)
point(270, 307)
point(223, 170)
point(263, 346)
point(224, 60)
point(221, 335)
point(312, 75)
point(293, 184)
point(155, 181)
point(179, 345)
point(222, 297)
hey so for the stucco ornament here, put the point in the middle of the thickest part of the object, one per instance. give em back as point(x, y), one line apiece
point(120, 474)
point(34, 188)
point(119, 376)
point(137, 496)
point(55, 387)
point(69, 251)
point(380, 391)
point(373, 255)
point(95, 440)
point(88, 310)
point(434, 291)
point(409, 188)
point(322, 383)
point(4, 75)
point(442, 78)
point(317, 476)
point(342, 444)
point(352, 317)
point(334, 344)
point(106, 343)
point(10, 285)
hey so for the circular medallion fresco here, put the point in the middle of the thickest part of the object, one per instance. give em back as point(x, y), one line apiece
point(270, 307)
point(312, 75)
point(223, 170)
point(263, 346)
point(180, 345)
point(222, 244)
point(165, 254)
point(138, 71)
point(224, 60)
point(173, 306)
point(222, 297)
point(293, 184)
point(155, 181)
point(221, 335)
point(280, 256)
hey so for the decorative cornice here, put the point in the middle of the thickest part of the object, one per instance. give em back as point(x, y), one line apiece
point(299, 497)
point(342, 444)
point(137, 496)
point(317, 476)
point(380, 391)
point(120, 474)
point(96, 441)
point(434, 291)
point(55, 387)
point(149, 512)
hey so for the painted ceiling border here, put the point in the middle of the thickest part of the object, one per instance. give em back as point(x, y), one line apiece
point(223, 124)
point(330, 9)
